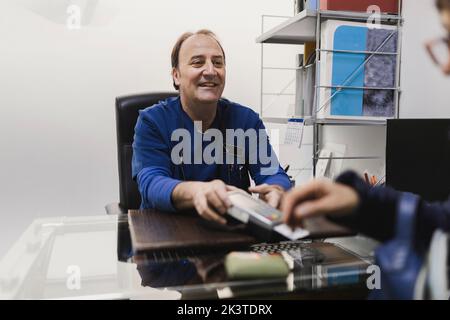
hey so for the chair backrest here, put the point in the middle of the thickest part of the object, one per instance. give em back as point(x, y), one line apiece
point(127, 112)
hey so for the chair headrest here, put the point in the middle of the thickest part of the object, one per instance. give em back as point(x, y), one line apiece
point(127, 112)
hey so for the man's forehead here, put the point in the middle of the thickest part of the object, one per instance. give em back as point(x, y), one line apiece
point(200, 44)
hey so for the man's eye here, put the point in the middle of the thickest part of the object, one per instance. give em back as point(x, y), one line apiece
point(218, 63)
point(197, 63)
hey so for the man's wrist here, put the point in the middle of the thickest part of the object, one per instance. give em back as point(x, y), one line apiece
point(183, 194)
point(278, 187)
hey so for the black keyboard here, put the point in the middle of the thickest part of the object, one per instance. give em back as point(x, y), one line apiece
point(299, 251)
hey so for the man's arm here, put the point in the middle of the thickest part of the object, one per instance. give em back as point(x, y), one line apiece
point(151, 166)
point(269, 173)
point(370, 210)
point(152, 169)
point(349, 202)
point(376, 215)
point(270, 179)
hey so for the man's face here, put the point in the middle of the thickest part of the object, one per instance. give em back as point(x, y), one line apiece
point(201, 70)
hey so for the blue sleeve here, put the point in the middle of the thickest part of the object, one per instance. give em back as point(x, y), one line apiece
point(151, 166)
point(375, 215)
point(270, 173)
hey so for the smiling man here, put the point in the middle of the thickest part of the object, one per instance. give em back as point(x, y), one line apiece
point(181, 182)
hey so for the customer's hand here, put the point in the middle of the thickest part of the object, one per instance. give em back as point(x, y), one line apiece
point(318, 197)
point(272, 194)
point(210, 199)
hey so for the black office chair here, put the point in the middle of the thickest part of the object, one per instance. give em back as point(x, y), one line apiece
point(127, 112)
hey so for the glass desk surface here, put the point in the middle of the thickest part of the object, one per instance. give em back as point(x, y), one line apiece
point(91, 258)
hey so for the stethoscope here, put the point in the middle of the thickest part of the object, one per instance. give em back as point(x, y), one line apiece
point(222, 127)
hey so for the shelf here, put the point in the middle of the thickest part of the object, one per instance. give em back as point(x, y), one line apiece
point(277, 94)
point(281, 68)
point(331, 122)
point(350, 158)
point(301, 28)
point(347, 122)
point(279, 120)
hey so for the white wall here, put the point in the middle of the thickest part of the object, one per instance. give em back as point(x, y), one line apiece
point(426, 89)
point(57, 86)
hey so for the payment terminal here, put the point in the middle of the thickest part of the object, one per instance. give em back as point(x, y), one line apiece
point(262, 220)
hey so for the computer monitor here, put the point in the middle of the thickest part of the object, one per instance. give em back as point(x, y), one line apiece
point(418, 157)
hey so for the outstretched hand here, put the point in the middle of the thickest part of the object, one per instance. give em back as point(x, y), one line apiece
point(318, 197)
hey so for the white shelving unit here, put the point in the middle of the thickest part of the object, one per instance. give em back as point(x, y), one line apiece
point(306, 27)
point(299, 29)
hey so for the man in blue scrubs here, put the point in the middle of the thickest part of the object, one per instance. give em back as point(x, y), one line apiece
point(172, 181)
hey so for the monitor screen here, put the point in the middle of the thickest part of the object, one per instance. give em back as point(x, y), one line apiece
point(418, 157)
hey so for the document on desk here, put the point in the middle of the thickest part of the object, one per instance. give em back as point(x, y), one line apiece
point(290, 234)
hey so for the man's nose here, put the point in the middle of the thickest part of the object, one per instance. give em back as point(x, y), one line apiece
point(209, 68)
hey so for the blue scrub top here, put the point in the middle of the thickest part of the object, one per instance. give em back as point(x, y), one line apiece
point(157, 175)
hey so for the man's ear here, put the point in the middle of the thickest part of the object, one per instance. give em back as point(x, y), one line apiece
point(176, 76)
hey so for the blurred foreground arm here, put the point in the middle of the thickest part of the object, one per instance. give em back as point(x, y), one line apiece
point(348, 201)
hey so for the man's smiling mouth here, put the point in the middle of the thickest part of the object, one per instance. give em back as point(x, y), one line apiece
point(208, 85)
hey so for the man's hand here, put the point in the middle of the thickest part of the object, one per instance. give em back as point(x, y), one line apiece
point(272, 194)
point(318, 197)
point(210, 199)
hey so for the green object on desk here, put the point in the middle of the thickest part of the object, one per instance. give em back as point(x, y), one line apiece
point(252, 265)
